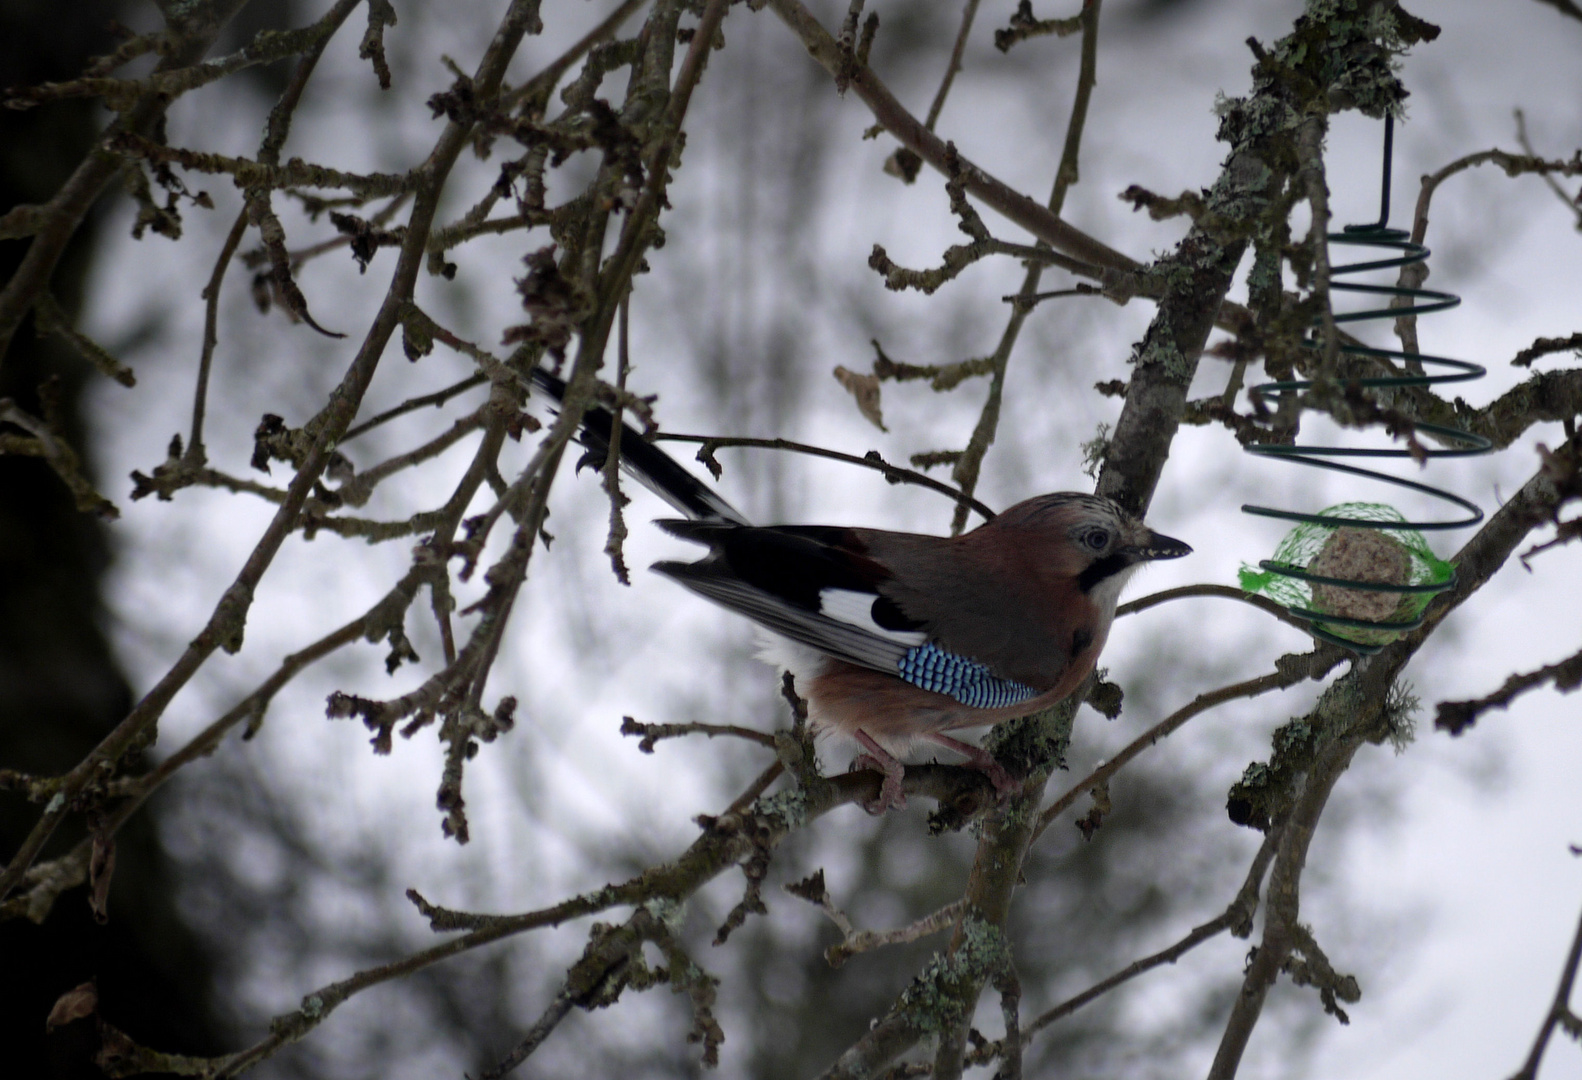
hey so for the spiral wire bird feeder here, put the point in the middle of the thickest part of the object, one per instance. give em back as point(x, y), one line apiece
point(1360, 574)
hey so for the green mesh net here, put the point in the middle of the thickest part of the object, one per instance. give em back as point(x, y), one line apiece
point(1393, 556)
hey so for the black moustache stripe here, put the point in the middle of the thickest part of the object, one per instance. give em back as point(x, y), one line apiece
point(1103, 568)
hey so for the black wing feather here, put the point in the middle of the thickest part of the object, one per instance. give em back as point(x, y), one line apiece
point(839, 639)
point(777, 577)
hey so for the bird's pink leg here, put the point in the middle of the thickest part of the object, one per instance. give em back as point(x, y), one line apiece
point(880, 760)
point(980, 759)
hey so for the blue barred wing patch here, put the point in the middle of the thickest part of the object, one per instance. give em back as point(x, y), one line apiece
point(969, 682)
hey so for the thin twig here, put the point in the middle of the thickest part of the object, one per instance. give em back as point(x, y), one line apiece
point(1024, 26)
point(1548, 178)
point(58, 453)
point(196, 454)
point(360, 488)
point(544, 83)
point(1513, 164)
point(439, 397)
point(1237, 915)
point(1565, 7)
point(298, 256)
point(968, 12)
point(614, 544)
point(960, 256)
point(854, 941)
point(552, 1015)
point(652, 733)
point(861, 941)
point(1544, 346)
point(1560, 1013)
point(755, 789)
point(267, 46)
point(51, 318)
point(1009, 984)
point(1031, 301)
point(893, 473)
point(250, 709)
point(1456, 716)
point(1224, 592)
point(501, 409)
point(1313, 665)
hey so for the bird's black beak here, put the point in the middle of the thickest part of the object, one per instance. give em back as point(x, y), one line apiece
point(1158, 546)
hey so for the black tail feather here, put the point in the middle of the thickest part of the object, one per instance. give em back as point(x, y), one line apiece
point(645, 462)
point(698, 530)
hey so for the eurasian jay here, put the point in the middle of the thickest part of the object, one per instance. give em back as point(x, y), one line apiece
point(895, 639)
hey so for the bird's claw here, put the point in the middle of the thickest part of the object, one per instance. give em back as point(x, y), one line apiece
point(982, 761)
point(891, 797)
point(1004, 785)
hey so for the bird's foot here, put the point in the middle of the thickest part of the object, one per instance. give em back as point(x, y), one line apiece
point(881, 761)
point(983, 761)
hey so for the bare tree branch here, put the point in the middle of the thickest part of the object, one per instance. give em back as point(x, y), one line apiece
point(225, 625)
point(1456, 716)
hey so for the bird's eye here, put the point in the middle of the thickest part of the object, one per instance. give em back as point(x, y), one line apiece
point(1096, 539)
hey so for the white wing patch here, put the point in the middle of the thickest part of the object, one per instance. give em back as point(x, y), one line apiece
point(856, 609)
